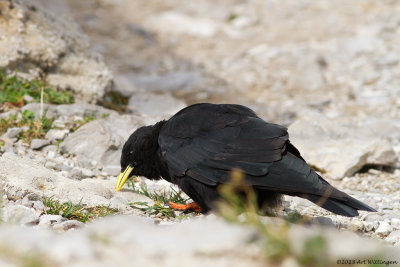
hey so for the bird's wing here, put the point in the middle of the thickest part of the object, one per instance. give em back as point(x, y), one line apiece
point(206, 142)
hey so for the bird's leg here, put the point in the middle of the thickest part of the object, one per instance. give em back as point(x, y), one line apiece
point(191, 206)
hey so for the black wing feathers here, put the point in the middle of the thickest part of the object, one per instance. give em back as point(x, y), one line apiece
point(205, 142)
point(213, 148)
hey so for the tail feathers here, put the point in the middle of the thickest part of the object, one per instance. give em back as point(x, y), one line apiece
point(337, 201)
point(347, 207)
point(333, 205)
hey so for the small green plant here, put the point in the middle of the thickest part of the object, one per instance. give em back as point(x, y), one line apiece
point(75, 211)
point(156, 208)
point(82, 122)
point(37, 128)
point(161, 200)
point(116, 101)
point(13, 90)
point(314, 252)
point(232, 17)
point(239, 200)
point(174, 196)
point(239, 205)
point(294, 217)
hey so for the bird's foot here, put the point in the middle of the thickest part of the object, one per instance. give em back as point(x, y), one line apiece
point(191, 206)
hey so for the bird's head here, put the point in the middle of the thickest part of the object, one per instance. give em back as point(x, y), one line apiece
point(139, 154)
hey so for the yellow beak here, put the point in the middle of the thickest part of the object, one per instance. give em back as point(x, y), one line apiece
point(122, 177)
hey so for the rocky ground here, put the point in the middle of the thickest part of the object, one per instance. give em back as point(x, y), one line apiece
point(328, 70)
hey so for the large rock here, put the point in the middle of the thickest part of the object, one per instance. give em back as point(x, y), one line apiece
point(338, 147)
point(23, 176)
point(19, 214)
point(37, 44)
point(102, 140)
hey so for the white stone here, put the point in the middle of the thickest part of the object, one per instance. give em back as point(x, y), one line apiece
point(101, 140)
point(113, 170)
point(55, 135)
point(393, 237)
point(50, 219)
point(19, 214)
point(39, 143)
point(79, 173)
point(356, 225)
point(384, 228)
point(38, 205)
point(67, 225)
point(343, 153)
point(51, 165)
point(13, 132)
point(395, 221)
point(51, 154)
point(369, 226)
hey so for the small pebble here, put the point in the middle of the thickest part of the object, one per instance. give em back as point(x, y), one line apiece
point(67, 225)
point(384, 229)
point(356, 225)
point(51, 154)
point(39, 143)
point(51, 165)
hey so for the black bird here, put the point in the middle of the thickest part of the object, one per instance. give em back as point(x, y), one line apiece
point(199, 146)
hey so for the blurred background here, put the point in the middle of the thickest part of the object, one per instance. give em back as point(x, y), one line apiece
point(282, 58)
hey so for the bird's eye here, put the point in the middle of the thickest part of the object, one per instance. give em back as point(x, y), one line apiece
point(130, 152)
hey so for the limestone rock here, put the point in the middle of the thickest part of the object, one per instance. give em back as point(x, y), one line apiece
point(67, 225)
point(393, 236)
point(36, 42)
point(49, 219)
point(19, 214)
point(356, 225)
point(101, 140)
point(22, 176)
point(55, 135)
point(384, 228)
point(39, 143)
point(337, 148)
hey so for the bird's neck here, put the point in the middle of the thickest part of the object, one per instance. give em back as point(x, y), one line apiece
point(157, 165)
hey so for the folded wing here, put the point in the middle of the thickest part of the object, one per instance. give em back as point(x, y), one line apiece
point(207, 148)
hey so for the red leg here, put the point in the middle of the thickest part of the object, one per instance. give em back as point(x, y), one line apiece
point(191, 206)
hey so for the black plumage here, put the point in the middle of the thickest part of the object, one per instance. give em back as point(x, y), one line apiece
point(199, 146)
